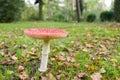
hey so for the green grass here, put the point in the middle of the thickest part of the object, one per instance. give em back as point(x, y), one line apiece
point(95, 46)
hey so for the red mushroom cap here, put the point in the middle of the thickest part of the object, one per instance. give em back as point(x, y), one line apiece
point(45, 33)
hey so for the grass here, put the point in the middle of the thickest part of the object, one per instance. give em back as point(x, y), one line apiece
point(94, 46)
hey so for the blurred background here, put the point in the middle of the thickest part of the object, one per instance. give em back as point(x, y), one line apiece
point(59, 10)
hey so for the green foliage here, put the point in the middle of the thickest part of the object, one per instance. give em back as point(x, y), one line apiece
point(29, 13)
point(91, 18)
point(58, 17)
point(64, 15)
point(106, 16)
point(117, 10)
point(10, 10)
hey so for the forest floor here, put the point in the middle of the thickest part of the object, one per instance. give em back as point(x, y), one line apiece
point(90, 51)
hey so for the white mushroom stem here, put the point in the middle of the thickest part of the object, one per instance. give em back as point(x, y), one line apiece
point(44, 58)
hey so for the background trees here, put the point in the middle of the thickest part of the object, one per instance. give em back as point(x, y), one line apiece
point(10, 10)
point(40, 7)
point(117, 10)
point(56, 10)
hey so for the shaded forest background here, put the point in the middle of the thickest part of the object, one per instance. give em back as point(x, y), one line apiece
point(59, 10)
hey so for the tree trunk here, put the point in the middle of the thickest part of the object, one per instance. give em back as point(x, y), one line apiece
point(40, 10)
point(78, 10)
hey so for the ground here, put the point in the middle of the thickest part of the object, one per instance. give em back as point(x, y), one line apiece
point(90, 51)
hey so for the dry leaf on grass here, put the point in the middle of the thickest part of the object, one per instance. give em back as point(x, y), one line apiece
point(102, 70)
point(96, 76)
point(14, 58)
point(23, 76)
point(51, 76)
point(20, 68)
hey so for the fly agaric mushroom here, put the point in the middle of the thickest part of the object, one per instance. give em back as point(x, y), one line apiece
point(46, 35)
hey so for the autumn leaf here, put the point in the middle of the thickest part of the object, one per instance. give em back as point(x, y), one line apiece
point(44, 78)
point(20, 68)
point(50, 76)
point(76, 78)
point(59, 76)
point(81, 74)
point(91, 67)
point(103, 47)
point(102, 70)
point(7, 62)
point(67, 64)
point(23, 76)
point(14, 58)
point(96, 76)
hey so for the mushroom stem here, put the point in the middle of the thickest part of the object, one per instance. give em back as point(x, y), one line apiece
point(44, 59)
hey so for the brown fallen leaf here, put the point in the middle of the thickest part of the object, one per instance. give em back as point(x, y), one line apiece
point(76, 78)
point(81, 74)
point(20, 68)
point(76, 65)
point(68, 59)
point(85, 49)
point(59, 76)
point(31, 53)
point(51, 77)
point(89, 45)
point(103, 47)
point(67, 64)
point(96, 76)
point(60, 58)
point(72, 59)
point(23, 76)
point(33, 78)
point(7, 62)
point(14, 58)
point(44, 78)
point(24, 46)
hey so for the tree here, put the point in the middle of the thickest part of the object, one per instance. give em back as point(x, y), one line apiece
point(10, 10)
point(117, 10)
point(40, 2)
point(81, 6)
point(78, 10)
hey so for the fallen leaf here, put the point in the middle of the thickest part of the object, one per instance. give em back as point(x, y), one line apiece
point(102, 70)
point(80, 75)
point(7, 62)
point(59, 76)
point(91, 67)
point(33, 78)
point(2, 52)
point(44, 78)
point(31, 53)
point(51, 77)
point(76, 65)
point(72, 59)
point(96, 76)
point(68, 59)
point(20, 68)
point(67, 64)
point(23, 76)
point(89, 45)
point(85, 49)
point(76, 78)
point(14, 57)
point(103, 47)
